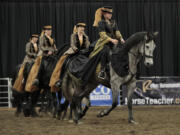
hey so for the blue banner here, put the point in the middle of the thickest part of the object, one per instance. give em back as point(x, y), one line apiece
point(148, 91)
point(101, 96)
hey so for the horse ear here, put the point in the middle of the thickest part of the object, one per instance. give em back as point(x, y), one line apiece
point(146, 37)
point(155, 33)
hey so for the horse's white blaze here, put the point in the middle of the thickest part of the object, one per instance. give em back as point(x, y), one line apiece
point(148, 51)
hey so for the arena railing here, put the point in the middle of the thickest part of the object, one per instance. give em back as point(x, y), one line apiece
point(5, 92)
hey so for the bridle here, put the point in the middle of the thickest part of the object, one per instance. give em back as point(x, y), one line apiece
point(144, 52)
point(143, 56)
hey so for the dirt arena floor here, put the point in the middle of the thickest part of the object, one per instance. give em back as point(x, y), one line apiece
point(152, 120)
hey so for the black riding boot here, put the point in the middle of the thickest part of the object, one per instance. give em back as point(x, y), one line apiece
point(104, 61)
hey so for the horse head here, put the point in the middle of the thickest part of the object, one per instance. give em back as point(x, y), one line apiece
point(147, 48)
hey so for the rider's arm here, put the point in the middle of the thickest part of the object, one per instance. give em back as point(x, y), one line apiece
point(42, 43)
point(102, 32)
point(87, 43)
point(28, 51)
point(54, 46)
point(118, 33)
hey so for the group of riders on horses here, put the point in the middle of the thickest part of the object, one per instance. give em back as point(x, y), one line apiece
point(109, 36)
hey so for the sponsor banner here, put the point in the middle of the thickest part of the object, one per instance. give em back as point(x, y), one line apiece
point(148, 91)
point(101, 96)
point(155, 91)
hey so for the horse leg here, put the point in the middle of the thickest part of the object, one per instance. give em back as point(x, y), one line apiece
point(87, 105)
point(42, 102)
point(54, 104)
point(17, 102)
point(70, 114)
point(84, 112)
point(76, 100)
point(27, 104)
point(46, 96)
point(49, 105)
point(59, 105)
point(131, 86)
point(34, 99)
point(64, 108)
point(115, 85)
point(18, 110)
point(75, 110)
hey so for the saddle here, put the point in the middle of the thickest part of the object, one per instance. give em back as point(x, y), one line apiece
point(75, 63)
point(120, 61)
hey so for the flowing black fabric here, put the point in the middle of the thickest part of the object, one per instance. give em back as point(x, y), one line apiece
point(77, 65)
point(18, 20)
point(82, 67)
point(48, 64)
point(120, 62)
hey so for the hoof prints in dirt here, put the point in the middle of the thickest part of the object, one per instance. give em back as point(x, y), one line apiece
point(162, 120)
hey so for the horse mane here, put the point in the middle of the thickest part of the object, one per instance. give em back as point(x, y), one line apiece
point(133, 40)
point(119, 57)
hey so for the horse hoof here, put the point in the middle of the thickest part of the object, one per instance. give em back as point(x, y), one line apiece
point(35, 116)
point(76, 121)
point(70, 121)
point(48, 114)
point(80, 123)
point(58, 118)
point(64, 119)
point(101, 114)
point(133, 122)
point(81, 116)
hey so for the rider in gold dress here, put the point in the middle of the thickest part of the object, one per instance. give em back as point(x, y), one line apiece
point(79, 41)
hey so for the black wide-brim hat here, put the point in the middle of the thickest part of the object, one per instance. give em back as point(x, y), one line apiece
point(107, 9)
point(81, 24)
point(34, 35)
point(47, 27)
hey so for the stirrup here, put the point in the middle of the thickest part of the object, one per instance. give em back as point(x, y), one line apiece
point(35, 82)
point(58, 84)
point(100, 75)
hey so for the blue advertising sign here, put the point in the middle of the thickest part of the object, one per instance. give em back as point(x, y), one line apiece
point(101, 96)
point(148, 91)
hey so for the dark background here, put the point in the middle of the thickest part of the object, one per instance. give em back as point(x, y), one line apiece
point(19, 19)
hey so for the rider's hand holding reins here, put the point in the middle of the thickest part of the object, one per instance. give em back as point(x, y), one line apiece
point(50, 52)
point(114, 41)
point(122, 41)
